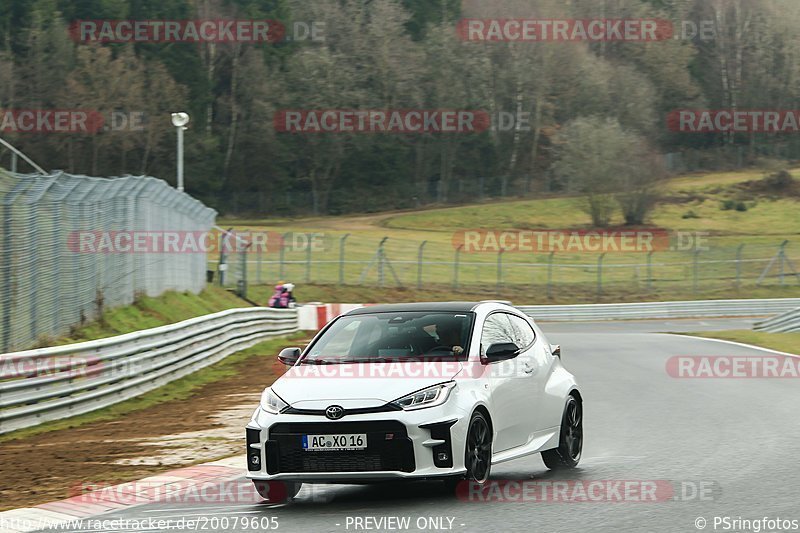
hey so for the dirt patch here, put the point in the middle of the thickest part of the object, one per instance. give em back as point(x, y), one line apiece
point(682, 198)
point(777, 185)
point(207, 426)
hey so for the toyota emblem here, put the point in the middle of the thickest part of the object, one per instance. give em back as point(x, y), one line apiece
point(334, 412)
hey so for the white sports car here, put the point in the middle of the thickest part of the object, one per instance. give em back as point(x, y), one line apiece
point(421, 390)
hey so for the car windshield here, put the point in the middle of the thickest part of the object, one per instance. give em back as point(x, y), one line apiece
point(389, 337)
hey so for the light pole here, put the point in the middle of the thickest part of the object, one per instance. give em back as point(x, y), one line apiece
point(180, 120)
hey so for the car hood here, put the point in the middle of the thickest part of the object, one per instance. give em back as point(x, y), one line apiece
point(361, 384)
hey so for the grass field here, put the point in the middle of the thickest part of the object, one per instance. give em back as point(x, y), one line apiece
point(528, 294)
point(783, 342)
point(689, 204)
point(148, 312)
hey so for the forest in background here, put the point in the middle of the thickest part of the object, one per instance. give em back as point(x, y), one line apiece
point(397, 54)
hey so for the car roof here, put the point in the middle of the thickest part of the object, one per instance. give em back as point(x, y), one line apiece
point(449, 307)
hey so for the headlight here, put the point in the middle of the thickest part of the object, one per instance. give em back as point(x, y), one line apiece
point(271, 402)
point(430, 397)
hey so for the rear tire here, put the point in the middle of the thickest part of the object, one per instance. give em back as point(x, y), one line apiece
point(277, 491)
point(570, 442)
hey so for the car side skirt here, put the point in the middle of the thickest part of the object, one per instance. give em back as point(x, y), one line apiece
point(544, 440)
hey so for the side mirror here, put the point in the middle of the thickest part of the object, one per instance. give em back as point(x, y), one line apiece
point(555, 349)
point(289, 356)
point(501, 351)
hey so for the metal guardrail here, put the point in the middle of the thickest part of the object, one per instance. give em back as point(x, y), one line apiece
point(648, 310)
point(782, 323)
point(41, 385)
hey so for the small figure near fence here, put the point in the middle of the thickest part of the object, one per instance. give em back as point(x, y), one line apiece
point(283, 297)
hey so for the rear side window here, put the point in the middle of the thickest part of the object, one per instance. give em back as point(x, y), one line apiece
point(496, 329)
point(522, 331)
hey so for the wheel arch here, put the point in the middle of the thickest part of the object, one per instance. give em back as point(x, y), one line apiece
point(577, 394)
point(485, 412)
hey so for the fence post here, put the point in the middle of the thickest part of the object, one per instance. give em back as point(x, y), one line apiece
point(380, 255)
point(308, 257)
point(782, 253)
point(550, 275)
point(600, 275)
point(650, 270)
point(341, 257)
point(243, 282)
point(281, 273)
point(455, 266)
point(222, 265)
point(500, 268)
point(419, 264)
point(778, 257)
point(258, 265)
point(739, 265)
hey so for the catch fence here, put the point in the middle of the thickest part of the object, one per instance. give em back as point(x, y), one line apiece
point(50, 282)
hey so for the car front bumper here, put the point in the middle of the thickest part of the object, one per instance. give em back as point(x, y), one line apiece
point(424, 443)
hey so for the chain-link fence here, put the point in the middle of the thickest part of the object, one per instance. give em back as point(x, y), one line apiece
point(709, 264)
point(74, 245)
point(231, 263)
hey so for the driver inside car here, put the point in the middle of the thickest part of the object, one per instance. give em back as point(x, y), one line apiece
point(448, 335)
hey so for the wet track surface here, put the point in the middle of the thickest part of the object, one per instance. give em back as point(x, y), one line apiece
point(737, 439)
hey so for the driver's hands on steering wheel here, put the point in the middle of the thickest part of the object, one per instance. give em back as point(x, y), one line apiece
point(456, 350)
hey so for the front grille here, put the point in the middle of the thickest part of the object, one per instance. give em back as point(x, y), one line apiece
point(357, 411)
point(382, 453)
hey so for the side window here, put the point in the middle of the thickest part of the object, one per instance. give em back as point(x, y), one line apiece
point(496, 329)
point(522, 331)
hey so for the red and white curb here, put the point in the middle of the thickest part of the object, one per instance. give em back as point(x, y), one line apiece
point(313, 316)
point(51, 515)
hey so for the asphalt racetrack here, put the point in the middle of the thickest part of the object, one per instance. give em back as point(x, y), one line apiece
point(726, 447)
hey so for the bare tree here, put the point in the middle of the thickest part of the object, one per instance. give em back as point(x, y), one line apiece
point(599, 159)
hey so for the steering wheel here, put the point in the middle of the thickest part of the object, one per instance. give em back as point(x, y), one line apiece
point(448, 349)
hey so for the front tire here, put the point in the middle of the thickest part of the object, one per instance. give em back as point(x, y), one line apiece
point(477, 454)
point(277, 491)
point(570, 443)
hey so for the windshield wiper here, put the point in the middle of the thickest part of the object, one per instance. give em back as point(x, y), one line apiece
point(317, 362)
point(346, 360)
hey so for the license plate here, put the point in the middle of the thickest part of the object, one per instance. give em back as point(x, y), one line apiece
point(345, 441)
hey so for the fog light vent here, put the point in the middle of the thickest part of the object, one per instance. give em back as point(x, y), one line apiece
point(442, 454)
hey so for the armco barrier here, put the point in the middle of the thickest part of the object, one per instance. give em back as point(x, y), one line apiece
point(46, 384)
point(782, 323)
point(314, 316)
point(656, 310)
